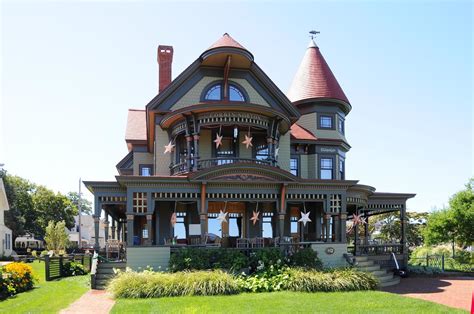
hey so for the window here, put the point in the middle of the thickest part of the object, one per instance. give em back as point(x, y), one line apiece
point(341, 168)
point(145, 171)
point(213, 225)
point(235, 225)
point(294, 166)
point(261, 147)
point(267, 227)
point(325, 122)
point(214, 93)
point(179, 227)
point(326, 168)
point(235, 94)
point(340, 125)
point(294, 224)
point(228, 147)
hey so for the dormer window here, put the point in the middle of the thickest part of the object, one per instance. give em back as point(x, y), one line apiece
point(216, 92)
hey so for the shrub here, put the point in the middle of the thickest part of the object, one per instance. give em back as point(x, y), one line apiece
point(306, 258)
point(73, 269)
point(267, 280)
point(266, 257)
point(148, 284)
point(335, 280)
point(423, 270)
point(199, 259)
point(17, 277)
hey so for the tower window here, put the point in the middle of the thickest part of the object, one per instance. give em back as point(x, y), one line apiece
point(294, 167)
point(325, 122)
point(340, 125)
point(216, 92)
point(326, 169)
point(342, 169)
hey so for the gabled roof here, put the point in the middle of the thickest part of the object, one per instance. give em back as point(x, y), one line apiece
point(136, 125)
point(299, 133)
point(3, 197)
point(314, 79)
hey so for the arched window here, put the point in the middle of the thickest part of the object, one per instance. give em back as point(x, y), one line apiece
point(214, 93)
point(235, 94)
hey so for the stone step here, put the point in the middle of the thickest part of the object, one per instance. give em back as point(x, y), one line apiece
point(361, 258)
point(394, 281)
point(380, 272)
point(112, 265)
point(365, 263)
point(101, 276)
point(105, 271)
point(385, 278)
point(368, 268)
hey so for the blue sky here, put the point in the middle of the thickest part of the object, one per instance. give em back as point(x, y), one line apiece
point(70, 71)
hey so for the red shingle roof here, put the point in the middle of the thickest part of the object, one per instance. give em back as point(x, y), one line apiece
point(314, 78)
point(299, 133)
point(136, 125)
point(226, 41)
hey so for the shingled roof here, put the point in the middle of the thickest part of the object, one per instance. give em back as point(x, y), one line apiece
point(226, 41)
point(136, 125)
point(314, 79)
point(299, 133)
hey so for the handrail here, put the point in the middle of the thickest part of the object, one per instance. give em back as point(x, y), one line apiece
point(182, 167)
point(379, 249)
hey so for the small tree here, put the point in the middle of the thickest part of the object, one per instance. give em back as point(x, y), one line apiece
point(56, 237)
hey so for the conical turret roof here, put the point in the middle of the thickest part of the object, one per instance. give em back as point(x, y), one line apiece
point(314, 79)
point(226, 41)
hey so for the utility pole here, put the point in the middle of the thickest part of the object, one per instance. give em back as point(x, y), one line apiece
point(80, 214)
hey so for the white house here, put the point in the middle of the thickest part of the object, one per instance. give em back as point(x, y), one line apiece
point(87, 233)
point(5, 232)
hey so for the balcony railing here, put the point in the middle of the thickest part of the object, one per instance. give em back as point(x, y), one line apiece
point(182, 167)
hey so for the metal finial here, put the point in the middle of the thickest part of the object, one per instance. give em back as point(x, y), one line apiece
point(313, 33)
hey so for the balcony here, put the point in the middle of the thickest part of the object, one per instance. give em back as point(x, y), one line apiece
point(182, 167)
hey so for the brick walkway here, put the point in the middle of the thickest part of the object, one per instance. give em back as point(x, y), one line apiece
point(94, 301)
point(451, 291)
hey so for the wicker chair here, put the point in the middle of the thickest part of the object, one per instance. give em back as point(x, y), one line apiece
point(112, 247)
point(258, 243)
point(243, 243)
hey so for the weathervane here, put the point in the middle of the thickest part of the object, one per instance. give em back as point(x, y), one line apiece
point(313, 33)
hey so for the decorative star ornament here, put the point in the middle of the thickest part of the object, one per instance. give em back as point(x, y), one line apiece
point(173, 219)
point(255, 218)
point(248, 141)
point(277, 151)
point(357, 220)
point(169, 148)
point(218, 140)
point(222, 217)
point(304, 218)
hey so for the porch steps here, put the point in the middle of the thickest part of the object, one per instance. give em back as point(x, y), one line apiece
point(105, 272)
point(385, 278)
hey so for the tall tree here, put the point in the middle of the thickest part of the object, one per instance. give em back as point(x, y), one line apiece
point(86, 205)
point(390, 227)
point(455, 223)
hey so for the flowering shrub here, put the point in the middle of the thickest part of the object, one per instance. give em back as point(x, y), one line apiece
point(73, 269)
point(16, 278)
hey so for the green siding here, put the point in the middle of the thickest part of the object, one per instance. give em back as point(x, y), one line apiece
point(304, 166)
point(140, 158)
point(284, 153)
point(162, 161)
point(138, 258)
point(331, 260)
point(205, 147)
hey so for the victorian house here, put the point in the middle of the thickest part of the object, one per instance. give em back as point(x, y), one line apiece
point(221, 156)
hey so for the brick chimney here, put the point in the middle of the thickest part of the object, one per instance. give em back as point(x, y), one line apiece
point(165, 59)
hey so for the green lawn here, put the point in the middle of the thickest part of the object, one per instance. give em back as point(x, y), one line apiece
point(285, 302)
point(47, 296)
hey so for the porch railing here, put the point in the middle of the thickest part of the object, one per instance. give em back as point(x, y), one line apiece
point(182, 167)
point(208, 163)
point(379, 249)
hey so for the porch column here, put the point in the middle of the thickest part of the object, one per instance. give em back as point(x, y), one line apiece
point(319, 234)
point(366, 231)
point(106, 227)
point(336, 228)
point(271, 154)
point(130, 219)
point(281, 224)
point(343, 218)
point(149, 221)
point(119, 231)
point(403, 226)
point(97, 212)
point(96, 233)
point(327, 218)
point(189, 140)
point(196, 151)
point(203, 220)
point(202, 207)
point(282, 211)
point(113, 229)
